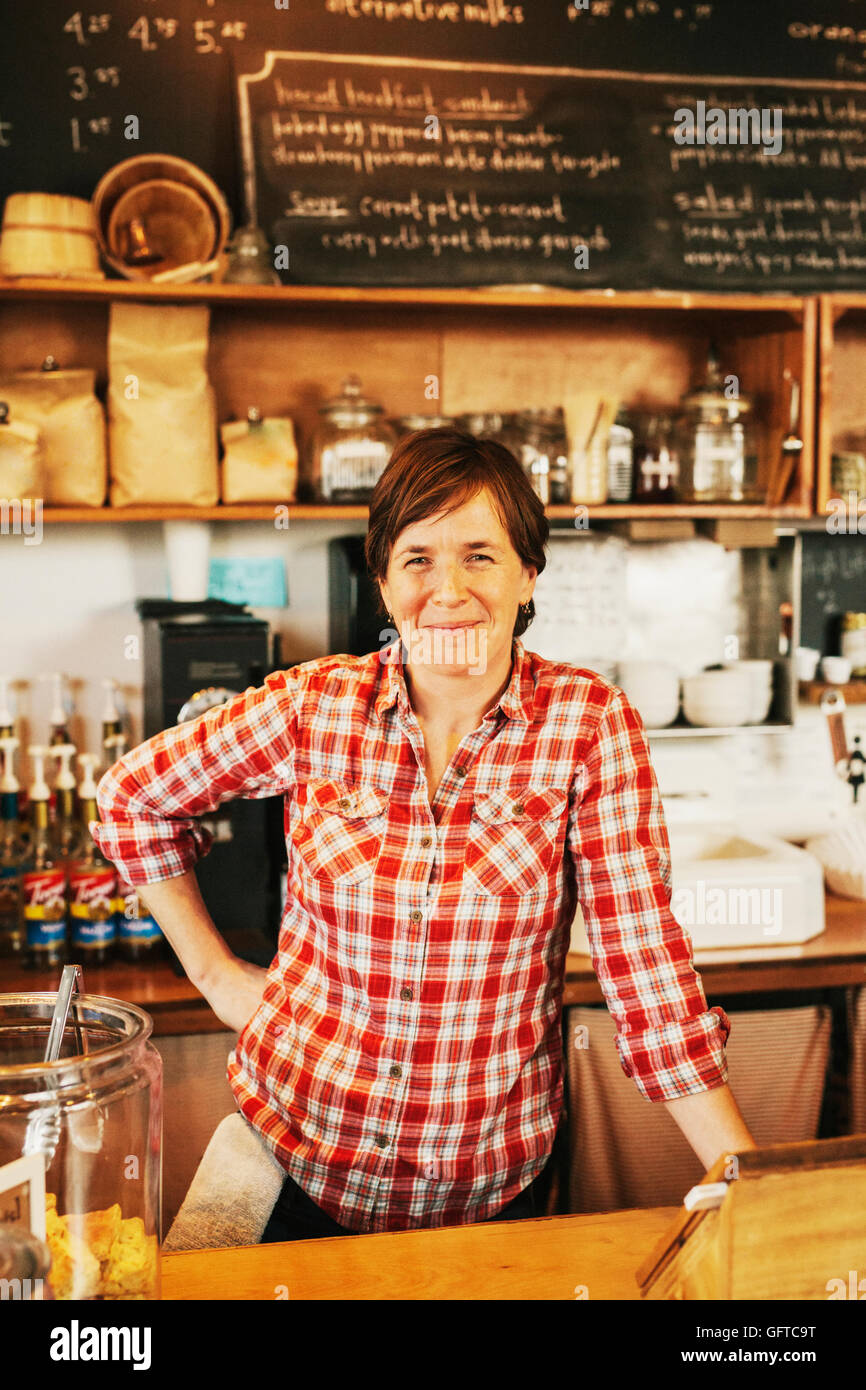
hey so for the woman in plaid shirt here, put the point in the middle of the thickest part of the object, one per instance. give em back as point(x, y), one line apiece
point(448, 801)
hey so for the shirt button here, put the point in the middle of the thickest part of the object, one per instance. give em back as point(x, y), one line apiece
point(396, 1070)
point(460, 771)
point(517, 809)
point(406, 993)
point(426, 842)
point(382, 1141)
point(416, 916)
point(344, 803)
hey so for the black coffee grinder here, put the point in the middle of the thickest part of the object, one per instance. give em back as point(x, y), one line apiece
point(212, 650)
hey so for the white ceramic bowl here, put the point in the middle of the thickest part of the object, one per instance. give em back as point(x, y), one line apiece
point(718, 699)
point(760, 673)
point(653, 688)
point(836, 669)
point(807, 663)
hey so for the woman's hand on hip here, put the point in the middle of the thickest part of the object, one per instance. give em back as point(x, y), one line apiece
point(234, 991)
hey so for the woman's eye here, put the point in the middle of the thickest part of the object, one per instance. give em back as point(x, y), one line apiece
point(420, 559)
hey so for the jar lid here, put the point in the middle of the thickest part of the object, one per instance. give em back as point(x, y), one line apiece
point(350, 407)
point(711, 397)
point(852, 621)
point(425, 422)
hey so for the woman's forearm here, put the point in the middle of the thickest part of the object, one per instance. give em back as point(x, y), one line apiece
point(178, 907)
point(712, 1123)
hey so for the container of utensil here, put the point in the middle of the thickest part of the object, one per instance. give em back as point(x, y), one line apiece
point(94, 1113)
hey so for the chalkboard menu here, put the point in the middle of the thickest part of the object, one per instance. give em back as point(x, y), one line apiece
point(834, 583)
point(448, 142)
point(388, 171)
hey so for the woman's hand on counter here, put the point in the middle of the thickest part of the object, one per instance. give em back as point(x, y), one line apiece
point(234, 991)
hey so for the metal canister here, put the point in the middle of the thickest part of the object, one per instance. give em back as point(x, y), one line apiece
point(853, 643)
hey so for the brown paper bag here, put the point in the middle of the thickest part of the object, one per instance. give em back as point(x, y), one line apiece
point(71, 422)
point(21, 471)
point(161, 409)
point(260, 462)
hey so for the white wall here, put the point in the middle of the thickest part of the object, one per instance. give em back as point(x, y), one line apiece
point(68, 604)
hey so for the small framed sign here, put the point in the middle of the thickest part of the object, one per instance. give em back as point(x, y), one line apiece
point(22, 1194)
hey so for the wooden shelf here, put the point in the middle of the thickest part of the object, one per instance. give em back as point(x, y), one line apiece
point(545, 297)
point(287, 348)
point(322, 512)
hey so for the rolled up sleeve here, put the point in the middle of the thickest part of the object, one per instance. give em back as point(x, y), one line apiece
point(149, 800)
point(669, 1043)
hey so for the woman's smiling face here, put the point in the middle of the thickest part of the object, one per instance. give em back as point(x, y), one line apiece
point(457, 579)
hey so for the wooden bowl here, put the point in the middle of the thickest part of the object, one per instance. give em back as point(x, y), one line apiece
point(178, 223)
point(162, 168)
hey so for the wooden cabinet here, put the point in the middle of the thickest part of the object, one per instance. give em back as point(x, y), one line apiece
point(287, 349)
point(841, 395)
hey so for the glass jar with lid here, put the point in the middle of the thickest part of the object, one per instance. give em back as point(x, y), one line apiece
point(853, 645)
point(620, 458)
point(656, 461)
point(408, 424)
point(95, 1115)
point(350, 448)
point(717, 447)
point(541, 446)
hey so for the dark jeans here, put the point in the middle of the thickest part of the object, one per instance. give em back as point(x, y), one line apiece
point(297, 1217)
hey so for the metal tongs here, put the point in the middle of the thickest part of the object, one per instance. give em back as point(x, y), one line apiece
point(43, 1128)
point(71, 982)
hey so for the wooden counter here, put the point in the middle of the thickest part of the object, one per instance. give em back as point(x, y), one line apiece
point(835, 959)
point(548, 1258)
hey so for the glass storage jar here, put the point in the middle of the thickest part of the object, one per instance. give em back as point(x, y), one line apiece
point(542, 448)
point(350, 448)
point(853, 646)
point(717, 447)
point(656, 462)
point(96, 1115)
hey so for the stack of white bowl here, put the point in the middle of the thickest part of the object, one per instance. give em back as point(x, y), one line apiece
point(761, 676)
point(741, 693)
point(653, 687)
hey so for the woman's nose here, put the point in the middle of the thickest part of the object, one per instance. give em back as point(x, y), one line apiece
point(449, 586)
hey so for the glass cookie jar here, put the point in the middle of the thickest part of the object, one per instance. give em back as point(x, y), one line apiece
point(350, 448)
point(96, 1116)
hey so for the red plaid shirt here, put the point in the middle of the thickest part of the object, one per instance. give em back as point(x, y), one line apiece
point(405, 1064)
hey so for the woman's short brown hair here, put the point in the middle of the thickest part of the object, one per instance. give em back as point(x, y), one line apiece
point(437, 470)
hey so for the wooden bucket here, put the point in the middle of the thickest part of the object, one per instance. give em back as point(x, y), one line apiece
point(184, 215)
point(49, 234)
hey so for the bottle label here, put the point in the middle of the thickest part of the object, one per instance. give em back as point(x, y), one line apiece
point(44, 897)
point(351, 465)
point(133, 924)
point(91, 906)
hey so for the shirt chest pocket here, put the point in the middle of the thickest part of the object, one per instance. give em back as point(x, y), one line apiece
point(341, 829)
point(512, 838)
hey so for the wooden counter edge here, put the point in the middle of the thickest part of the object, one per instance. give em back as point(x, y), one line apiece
point(551, 1257)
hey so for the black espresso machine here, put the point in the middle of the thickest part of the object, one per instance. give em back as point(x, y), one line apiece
point(189, 649)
